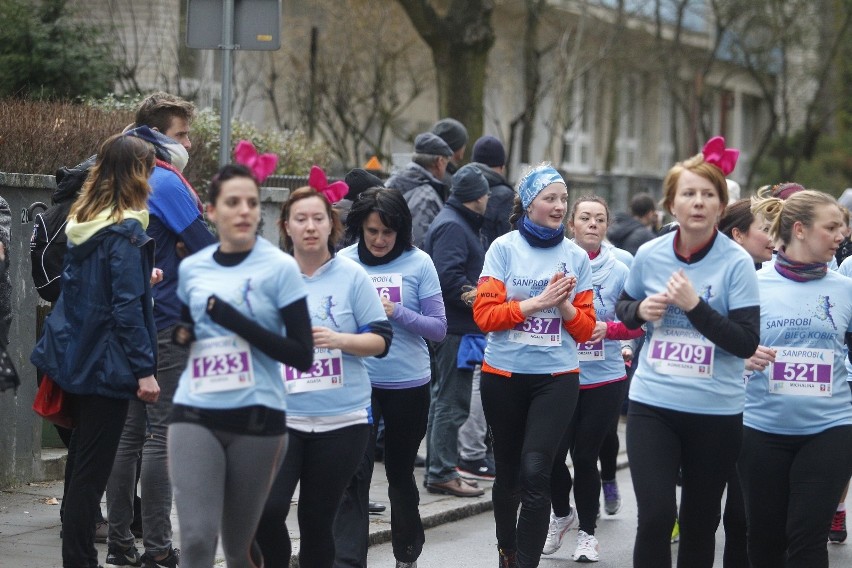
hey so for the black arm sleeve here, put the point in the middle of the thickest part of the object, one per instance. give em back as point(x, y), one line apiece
point(296, 349)
point(738, 334)
point(184, 331)
point(849, 344)
point(627, 310)
point(385, 331)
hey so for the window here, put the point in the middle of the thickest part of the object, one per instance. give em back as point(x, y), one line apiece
point(577, 139)
point(629, 126)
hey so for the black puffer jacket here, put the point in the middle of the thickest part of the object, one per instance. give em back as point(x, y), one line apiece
point(499, 205)
point(629, 234)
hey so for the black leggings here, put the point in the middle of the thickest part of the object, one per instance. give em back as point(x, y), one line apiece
point(659, 441)
point(596, 414)
point(791, 486)
point(529, 415)
point(322, 463)
point(405, 412)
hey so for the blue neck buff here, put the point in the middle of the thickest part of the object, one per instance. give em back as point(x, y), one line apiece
point(538, 236)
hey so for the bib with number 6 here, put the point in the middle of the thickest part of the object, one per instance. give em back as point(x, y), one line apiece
point(389, 286)
point(220, 364)
point(326, 373)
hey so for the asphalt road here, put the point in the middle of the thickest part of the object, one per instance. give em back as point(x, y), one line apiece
point(471, 543)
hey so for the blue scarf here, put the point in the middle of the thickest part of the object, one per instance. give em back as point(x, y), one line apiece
point(538, 236)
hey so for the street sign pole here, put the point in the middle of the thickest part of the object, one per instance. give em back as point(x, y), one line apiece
point(229, 25)
point(227, 48)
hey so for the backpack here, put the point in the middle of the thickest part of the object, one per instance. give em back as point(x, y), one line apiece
point(48, 243)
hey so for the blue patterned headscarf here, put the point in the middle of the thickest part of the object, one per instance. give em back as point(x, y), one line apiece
point(535, 181)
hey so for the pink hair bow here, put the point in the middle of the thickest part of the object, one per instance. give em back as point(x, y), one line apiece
point(261, 165)
point(334, 192)
point(723, 158)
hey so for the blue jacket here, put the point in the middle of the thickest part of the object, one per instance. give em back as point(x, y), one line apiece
point(174, 218)
point(455, 245)
point(101, 338)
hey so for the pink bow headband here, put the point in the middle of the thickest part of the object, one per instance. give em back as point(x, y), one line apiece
point(261, 165)
point(723, 158)
point(334, 192)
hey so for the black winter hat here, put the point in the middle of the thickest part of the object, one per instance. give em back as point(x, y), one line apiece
point(469, 184)
point(360, 180)
point(452, 132)
point(428, 143)
point(489, 151)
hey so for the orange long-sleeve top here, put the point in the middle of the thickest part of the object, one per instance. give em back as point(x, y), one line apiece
point(493, 312)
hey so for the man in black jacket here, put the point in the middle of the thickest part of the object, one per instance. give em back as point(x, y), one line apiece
point(453, 241)
point(629, 232)
point(490, 155)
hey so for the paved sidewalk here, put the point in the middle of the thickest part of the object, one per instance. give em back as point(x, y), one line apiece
point(29, 517)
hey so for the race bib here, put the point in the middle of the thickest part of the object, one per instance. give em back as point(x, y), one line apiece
point(220, 364)
point(801, 371)
point(538, 329)
point(681, 352)
point(591, 351)
point(389, 286)
point(326, 373)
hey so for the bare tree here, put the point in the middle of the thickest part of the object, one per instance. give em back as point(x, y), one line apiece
point(354, 87)
point(790, 50)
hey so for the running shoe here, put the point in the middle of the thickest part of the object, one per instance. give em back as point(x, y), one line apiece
point(837, 532)
point(612, 498)
point(476, 469)
point(119, 556)
point(508, 558)
point(588, 549)
point(676, 532)
point(170, 561)
point(401, 564)
point(556, 532)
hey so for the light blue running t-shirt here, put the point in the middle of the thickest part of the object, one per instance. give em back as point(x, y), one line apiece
point(266, 281)
point(804, 391)
point(406, 280)
point(679, 368)
point(341, 297)
point(601, 361)
point(540, 344)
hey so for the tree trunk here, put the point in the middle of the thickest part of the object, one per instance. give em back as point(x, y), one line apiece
point(460, 41)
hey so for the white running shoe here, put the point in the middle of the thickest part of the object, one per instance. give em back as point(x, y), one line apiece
point(588, 549)
point(556, 532)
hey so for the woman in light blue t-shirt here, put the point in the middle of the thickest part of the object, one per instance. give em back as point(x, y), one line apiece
point(245, 313)
point(405, 279)
point(797, 434)
point(696, 292)
point(329, 416)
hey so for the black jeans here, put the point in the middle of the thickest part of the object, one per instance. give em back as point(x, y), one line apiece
point(405, 412)
point(94, 441)
point(529, 415)
point(791, 486)
point(705, 447)
point(322, 463)
point(596, 414)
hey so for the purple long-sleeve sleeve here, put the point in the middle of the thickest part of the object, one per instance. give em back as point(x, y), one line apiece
point(430, 323)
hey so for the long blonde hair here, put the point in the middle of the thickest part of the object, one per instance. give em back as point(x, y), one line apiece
point(118, 180)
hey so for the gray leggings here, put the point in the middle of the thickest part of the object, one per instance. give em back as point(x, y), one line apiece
point(221, 481)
